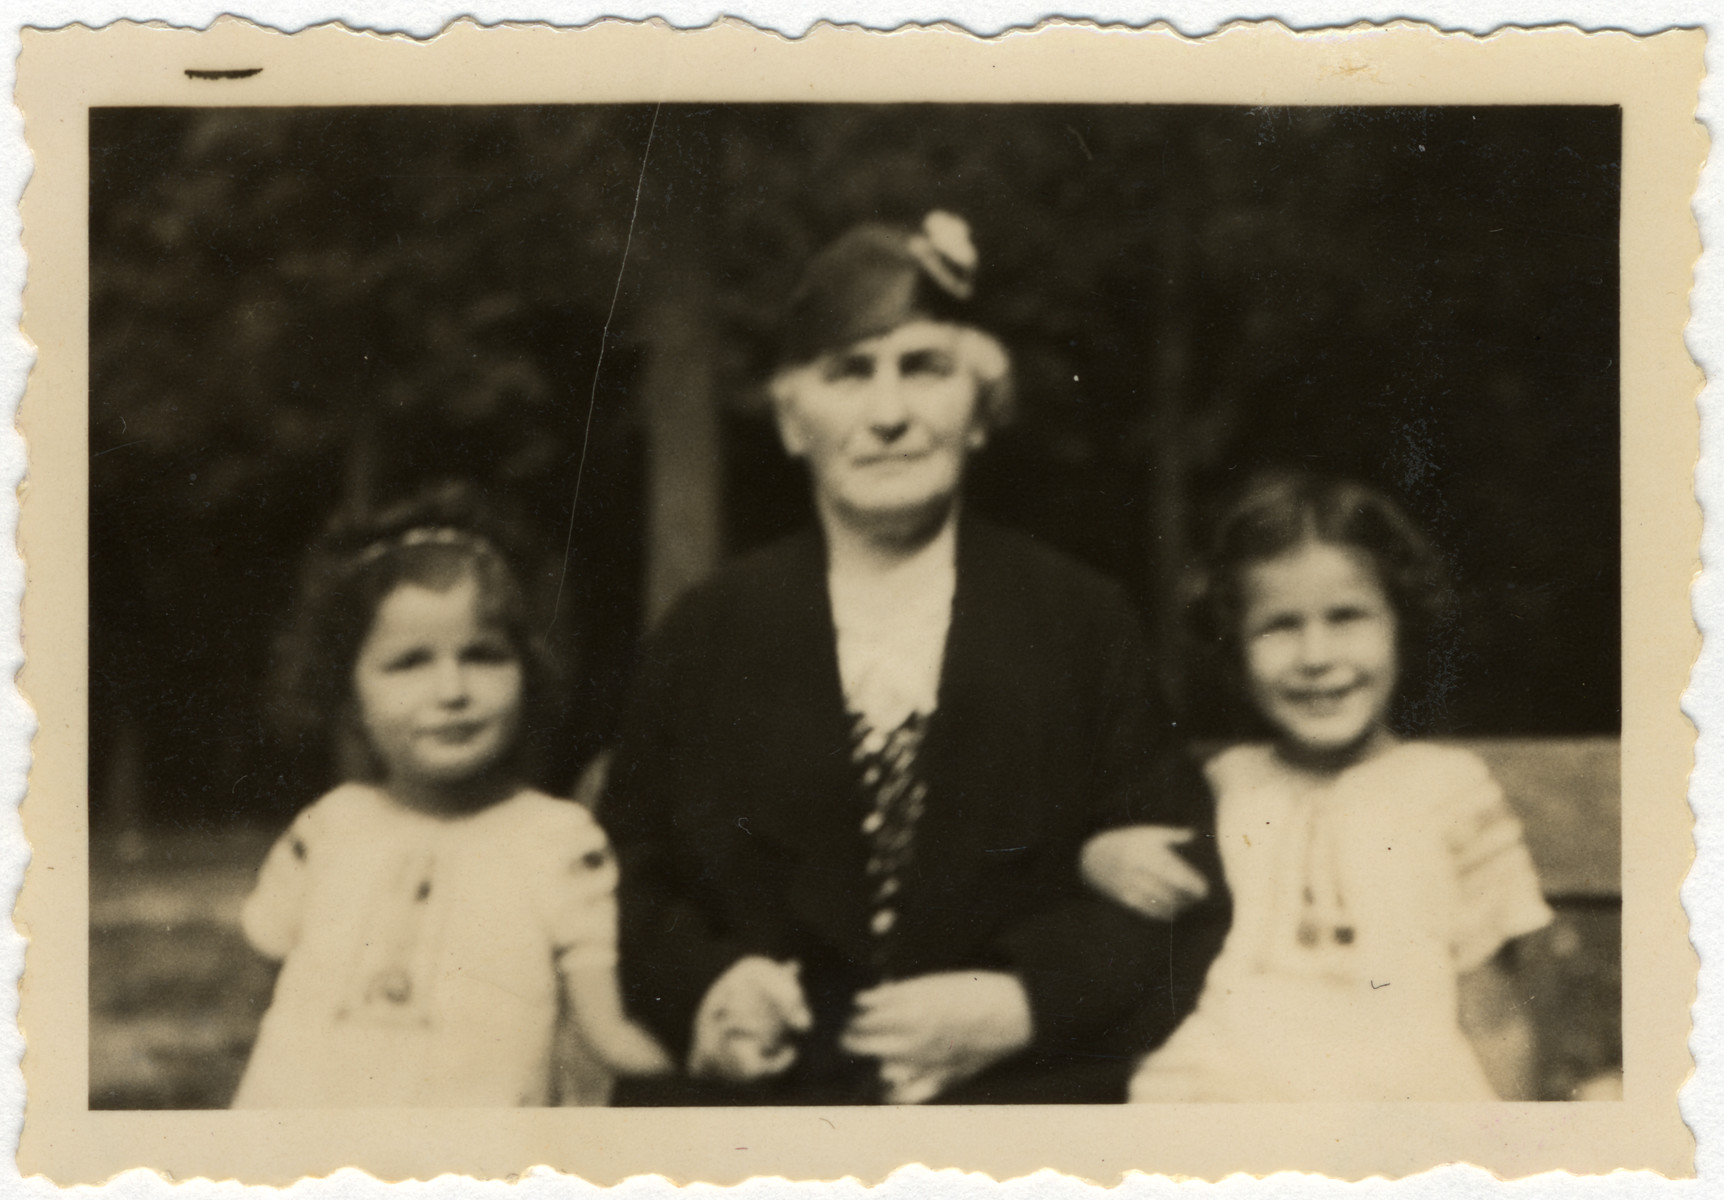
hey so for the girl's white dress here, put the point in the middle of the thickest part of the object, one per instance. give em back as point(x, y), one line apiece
point(1358, 900)
point(421, 952)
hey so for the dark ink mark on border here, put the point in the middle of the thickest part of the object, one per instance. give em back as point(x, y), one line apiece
point(236, 73)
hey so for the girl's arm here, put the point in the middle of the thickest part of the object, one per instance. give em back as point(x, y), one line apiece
point(1494, 1018)
point(597, 1008)
point(1140, 867)
point(577, 891)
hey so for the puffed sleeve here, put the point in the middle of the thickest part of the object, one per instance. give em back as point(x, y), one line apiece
point(576, 891)
point(272, 914)
point(1496, 885)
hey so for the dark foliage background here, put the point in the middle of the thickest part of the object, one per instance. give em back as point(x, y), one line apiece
point(297, 309)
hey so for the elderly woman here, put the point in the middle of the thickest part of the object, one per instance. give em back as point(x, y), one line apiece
point(858, 767)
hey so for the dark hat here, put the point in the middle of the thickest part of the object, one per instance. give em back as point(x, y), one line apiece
point(877, 277)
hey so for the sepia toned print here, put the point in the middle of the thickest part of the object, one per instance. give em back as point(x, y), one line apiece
point(623, 621)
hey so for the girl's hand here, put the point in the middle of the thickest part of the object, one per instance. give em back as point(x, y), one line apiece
point(1139, 867)
point(933, 1031)
point(748, 1021)
point(627, 1049)
point(596, 1009)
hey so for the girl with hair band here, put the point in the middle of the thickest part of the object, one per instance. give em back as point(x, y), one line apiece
point(432, 912)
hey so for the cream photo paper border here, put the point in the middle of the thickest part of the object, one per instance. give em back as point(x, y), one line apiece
point(62, 74)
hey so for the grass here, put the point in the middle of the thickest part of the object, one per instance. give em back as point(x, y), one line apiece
point(176, 994)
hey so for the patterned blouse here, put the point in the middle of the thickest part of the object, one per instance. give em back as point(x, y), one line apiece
point(892, 630)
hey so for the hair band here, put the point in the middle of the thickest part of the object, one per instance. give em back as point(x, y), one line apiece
point(426, 535)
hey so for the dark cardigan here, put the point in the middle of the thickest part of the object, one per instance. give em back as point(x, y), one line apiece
point(734, 808)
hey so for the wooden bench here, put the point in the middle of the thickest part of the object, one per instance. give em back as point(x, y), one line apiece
point(1568, 794)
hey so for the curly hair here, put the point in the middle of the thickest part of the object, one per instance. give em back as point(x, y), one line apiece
point(435, 539)
point(1279, 511)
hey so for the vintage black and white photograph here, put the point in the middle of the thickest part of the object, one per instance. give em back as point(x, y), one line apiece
point(852, 604)
point(708, 621)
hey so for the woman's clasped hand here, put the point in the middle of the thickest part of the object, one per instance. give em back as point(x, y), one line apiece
point(928, 1033)
point(934, 1031)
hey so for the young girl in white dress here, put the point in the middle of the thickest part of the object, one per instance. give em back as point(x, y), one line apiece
point(433, 913)
point(1374, 879)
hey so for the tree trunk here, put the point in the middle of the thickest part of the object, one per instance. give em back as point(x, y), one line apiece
point(685, 476)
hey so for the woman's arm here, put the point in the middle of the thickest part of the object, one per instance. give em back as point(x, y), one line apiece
point(670, 951)
point(722, 1011)
point(1094, 969)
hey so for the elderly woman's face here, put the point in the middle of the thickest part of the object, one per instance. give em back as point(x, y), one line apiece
point(886, 423)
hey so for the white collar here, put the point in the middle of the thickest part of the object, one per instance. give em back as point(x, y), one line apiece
point(892, 624)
